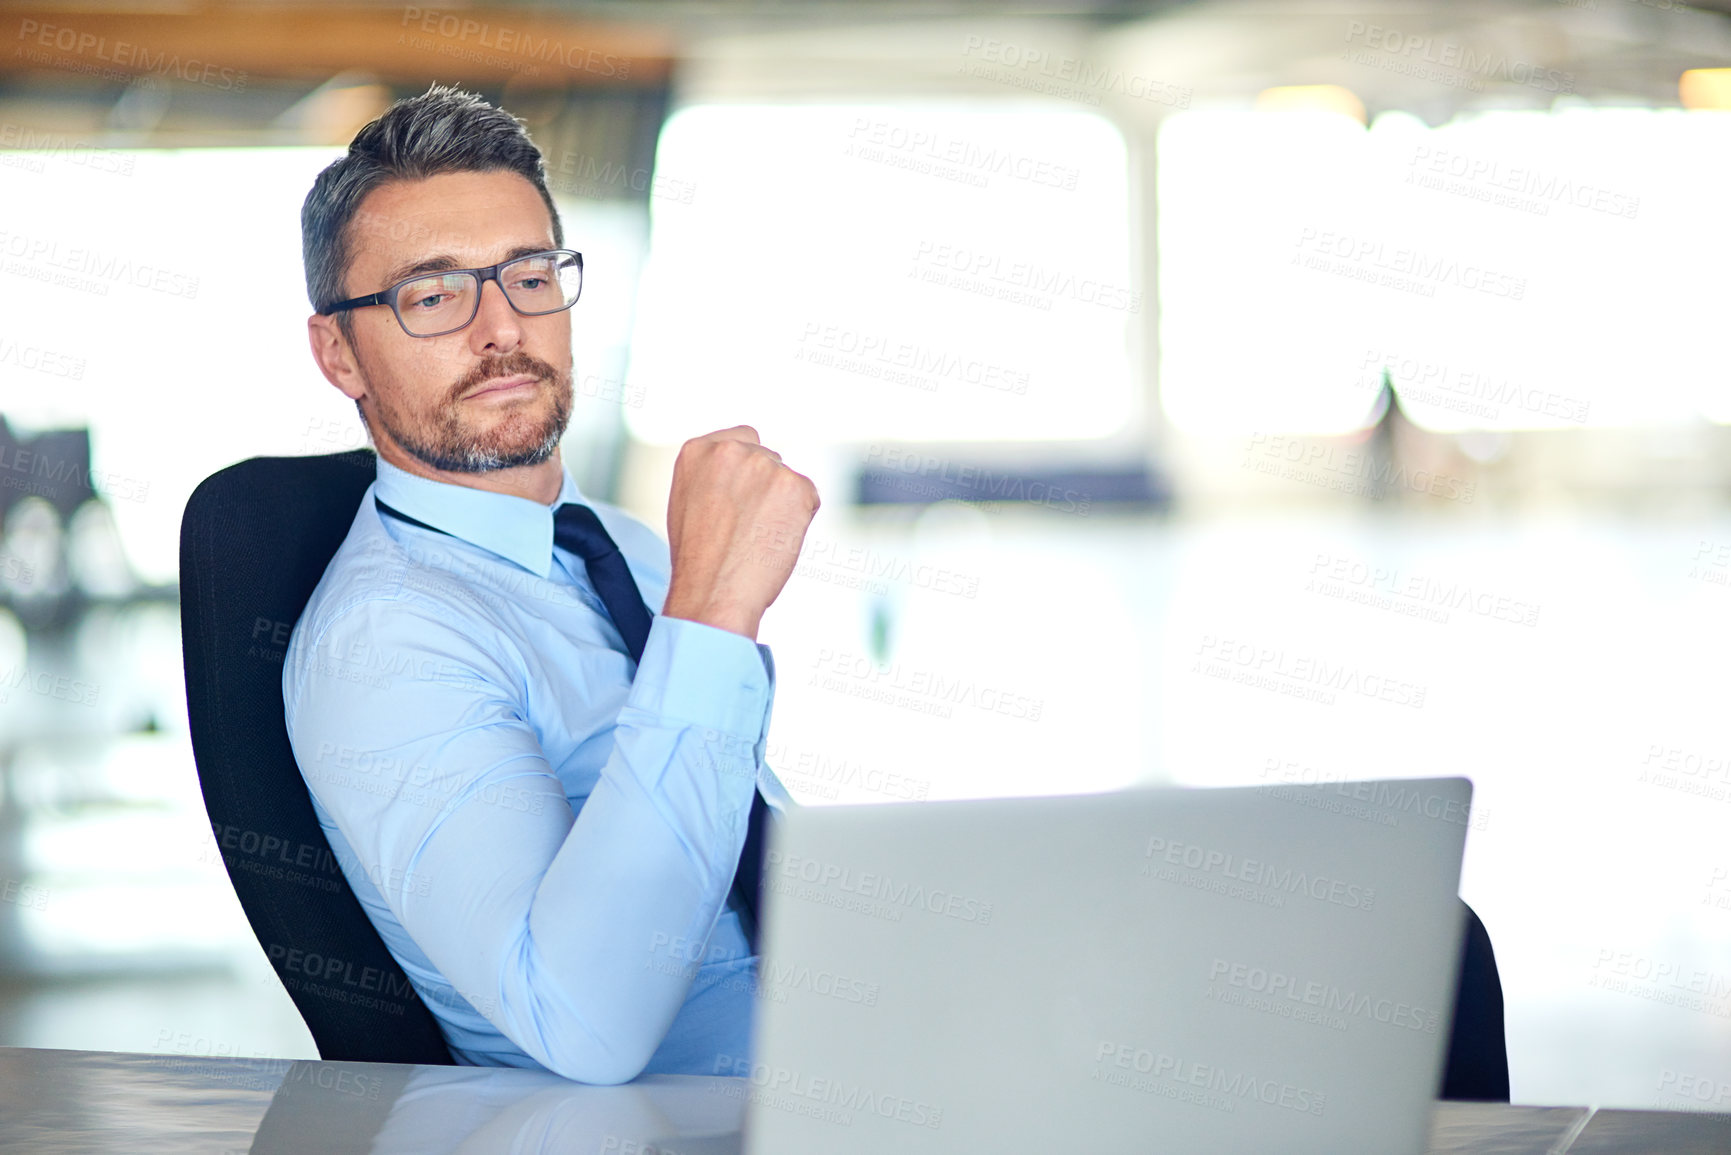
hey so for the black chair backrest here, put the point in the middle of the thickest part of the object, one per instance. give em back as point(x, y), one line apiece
point(254, 541)
point(1478, 1056)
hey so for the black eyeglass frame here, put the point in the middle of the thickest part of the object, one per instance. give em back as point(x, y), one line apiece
point(388, 296)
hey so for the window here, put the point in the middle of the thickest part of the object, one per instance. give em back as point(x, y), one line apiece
point(856, 272)
point(1509, 270)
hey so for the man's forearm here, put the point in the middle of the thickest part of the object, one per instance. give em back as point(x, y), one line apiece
point(596, 958)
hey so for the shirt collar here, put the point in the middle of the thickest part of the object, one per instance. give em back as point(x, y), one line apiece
point(516, 528)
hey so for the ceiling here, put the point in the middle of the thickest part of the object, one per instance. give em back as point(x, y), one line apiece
point(130, 71)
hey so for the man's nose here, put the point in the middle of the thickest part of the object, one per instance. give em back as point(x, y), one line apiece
point(497, 327)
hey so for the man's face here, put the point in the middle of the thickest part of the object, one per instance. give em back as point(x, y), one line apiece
point(494, 395)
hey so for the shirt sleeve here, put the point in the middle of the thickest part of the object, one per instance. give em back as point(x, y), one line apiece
point(559, 921)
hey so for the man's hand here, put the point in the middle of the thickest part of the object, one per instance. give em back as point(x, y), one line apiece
point(735, 521)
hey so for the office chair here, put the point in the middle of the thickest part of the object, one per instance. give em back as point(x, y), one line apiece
point(1478, 1056)
point(254, 541)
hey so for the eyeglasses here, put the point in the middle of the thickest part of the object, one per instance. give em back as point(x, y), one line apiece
point(433, 304)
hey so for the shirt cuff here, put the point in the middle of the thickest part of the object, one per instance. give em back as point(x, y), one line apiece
point(775, 795)
point(703, 675)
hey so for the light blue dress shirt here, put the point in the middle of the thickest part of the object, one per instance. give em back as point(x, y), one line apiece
point(544, 837)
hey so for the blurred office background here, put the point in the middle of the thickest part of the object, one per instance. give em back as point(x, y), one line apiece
point(1207, 393)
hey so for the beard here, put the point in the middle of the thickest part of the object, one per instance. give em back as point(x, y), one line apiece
point(445, 438)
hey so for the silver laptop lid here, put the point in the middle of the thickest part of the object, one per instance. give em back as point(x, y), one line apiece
point(1248, 969)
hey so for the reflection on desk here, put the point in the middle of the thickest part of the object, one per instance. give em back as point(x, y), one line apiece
point(401, 1110)
point(87, 1102)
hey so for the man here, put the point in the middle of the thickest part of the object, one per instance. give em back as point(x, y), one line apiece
point(539, 791)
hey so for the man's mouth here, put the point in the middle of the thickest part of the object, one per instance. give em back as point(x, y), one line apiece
point(502, 385)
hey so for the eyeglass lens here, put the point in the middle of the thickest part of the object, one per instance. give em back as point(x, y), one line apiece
point(440, 302)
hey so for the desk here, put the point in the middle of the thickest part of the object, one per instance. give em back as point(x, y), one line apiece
point(84, 1102)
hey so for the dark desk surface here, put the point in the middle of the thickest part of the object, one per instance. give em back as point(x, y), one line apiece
point(54, 1102)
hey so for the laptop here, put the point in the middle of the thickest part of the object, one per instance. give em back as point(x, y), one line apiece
point(1255, 969)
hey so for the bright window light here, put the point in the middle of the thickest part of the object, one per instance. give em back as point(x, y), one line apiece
point(846, 273)
point(158, 297)
point(1511, 270)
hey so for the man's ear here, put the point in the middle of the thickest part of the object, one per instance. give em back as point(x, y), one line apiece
point(335, 358)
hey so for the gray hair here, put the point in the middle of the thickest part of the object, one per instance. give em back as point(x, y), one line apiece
point(444, 130)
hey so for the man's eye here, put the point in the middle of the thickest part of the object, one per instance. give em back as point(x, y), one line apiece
point(429, 301)
point(532, 283)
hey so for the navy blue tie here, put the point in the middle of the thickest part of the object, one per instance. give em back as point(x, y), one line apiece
point(577, 529)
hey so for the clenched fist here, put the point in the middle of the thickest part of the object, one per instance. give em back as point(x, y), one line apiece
point(735, 521)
